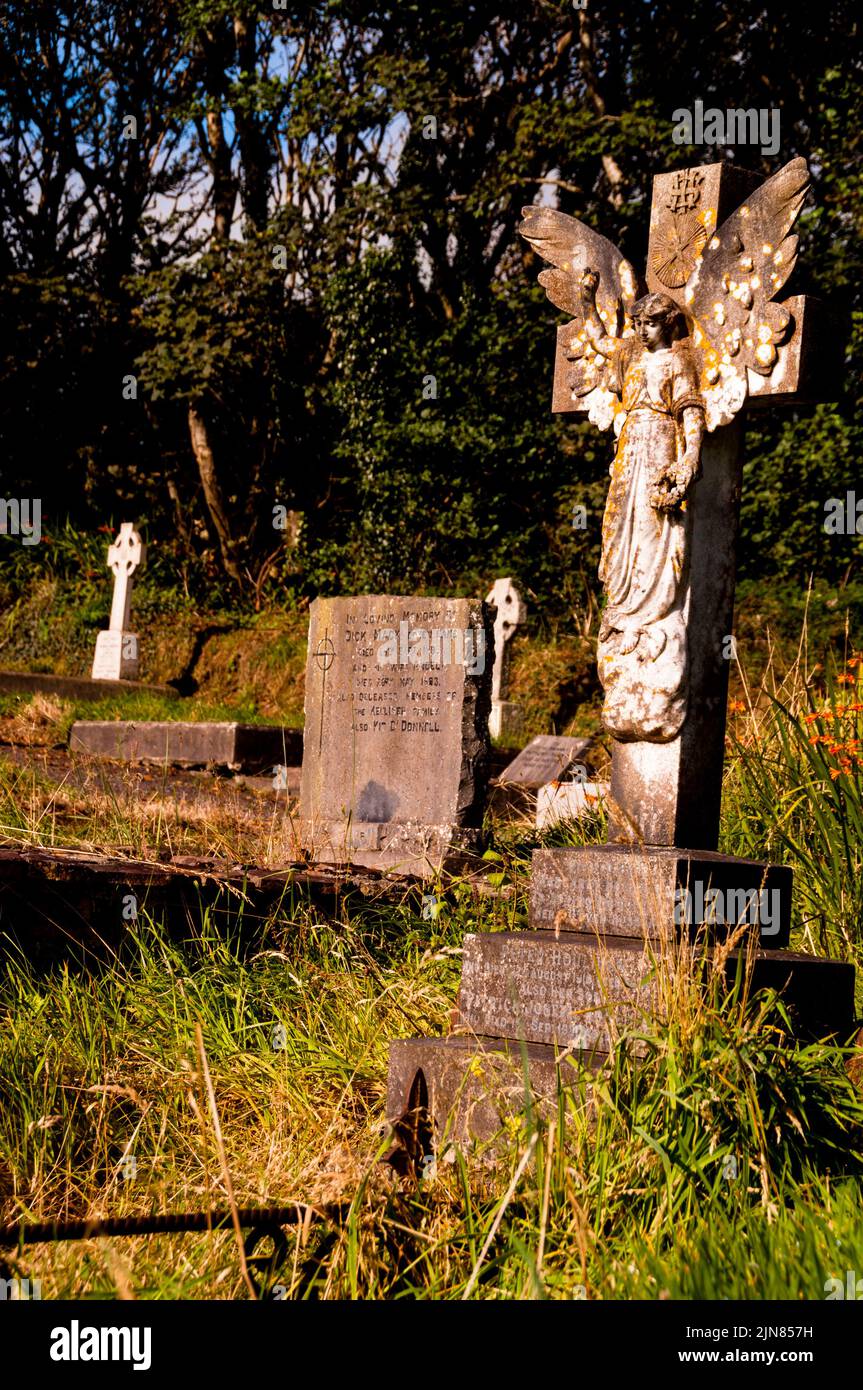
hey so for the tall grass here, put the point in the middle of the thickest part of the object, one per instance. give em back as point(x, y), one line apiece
point(712, 1157)
point(794, 791)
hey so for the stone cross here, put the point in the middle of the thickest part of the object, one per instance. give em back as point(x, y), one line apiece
point(719, 250)
point(124, 557)
point(116, 656)
point(511, 612)
point(671, 370)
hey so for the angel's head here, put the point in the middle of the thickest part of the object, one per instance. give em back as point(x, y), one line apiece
point(657, 321)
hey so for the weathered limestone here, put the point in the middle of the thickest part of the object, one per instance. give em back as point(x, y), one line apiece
point(395, 745)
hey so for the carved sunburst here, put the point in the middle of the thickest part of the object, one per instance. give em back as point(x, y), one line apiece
point(678, 244)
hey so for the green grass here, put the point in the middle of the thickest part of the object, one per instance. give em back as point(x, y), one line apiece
point(722, 1164)
point(720, 1161)
point(140, 706)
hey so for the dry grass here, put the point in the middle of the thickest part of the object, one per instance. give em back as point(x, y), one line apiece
point(718, 1159)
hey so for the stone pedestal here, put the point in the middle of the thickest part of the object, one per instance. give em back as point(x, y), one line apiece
point(467, 1086)
point(658, 894)
point(116, 657)
point(609, 927)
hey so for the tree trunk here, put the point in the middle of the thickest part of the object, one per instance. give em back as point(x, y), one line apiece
point(203, 452)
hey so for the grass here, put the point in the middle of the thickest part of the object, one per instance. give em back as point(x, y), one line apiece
point(716, 1158)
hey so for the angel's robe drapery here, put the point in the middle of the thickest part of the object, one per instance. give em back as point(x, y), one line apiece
point(642, 654)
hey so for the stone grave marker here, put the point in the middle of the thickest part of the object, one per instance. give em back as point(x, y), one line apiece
point(395, 746)
point(547, 758)
point(116, 656)
point(506, 716)
point(239, 747)
point(671, 370)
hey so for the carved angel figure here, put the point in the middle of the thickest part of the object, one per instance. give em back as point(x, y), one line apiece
point(662, 373)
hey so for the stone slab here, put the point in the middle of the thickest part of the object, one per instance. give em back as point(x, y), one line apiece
point(470, 1086)
point(575, 992)
point(395, 752)
point(532, 986)
point(545, 759)
point(628, 891)
point(241, 747)
point(76, 687)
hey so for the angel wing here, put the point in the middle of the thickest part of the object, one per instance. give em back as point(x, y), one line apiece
point(729, 293)
point(572, 248)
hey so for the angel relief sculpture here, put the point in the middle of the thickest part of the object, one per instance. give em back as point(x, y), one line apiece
point(662, 373)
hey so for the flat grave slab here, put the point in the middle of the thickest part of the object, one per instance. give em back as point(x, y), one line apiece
point(241, 747)
point(547, 758)
point(77, 687)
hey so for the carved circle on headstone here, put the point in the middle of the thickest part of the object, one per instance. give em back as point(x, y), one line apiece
point(678, 244)
point(325, 654)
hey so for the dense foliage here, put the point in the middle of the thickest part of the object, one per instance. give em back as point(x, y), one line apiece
point(257, 258)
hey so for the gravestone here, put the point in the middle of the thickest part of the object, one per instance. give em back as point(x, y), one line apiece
point(395, 746)
point(547, 758)
point(671, 371)
point(116, 656)
point(505, 719)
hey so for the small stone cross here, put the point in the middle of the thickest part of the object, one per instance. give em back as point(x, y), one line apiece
point(511, 612)
point(116, 656)
point(124, 556)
